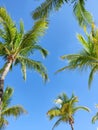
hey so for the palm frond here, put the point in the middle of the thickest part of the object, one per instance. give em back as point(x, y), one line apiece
point(3, 123)
point(7, 97)
point(32, 36)
point(95, 118)
point(30, 49)
point(81, 108)
point(23, 66)
point(21, 27)
point(53, 112)
point(15, 111)
point(82, 15)
point(36, 65)
point(93, 70)
point(8, 24)
point(46, 7)
point(83, 42)
point(57, 123)
point(43, 51)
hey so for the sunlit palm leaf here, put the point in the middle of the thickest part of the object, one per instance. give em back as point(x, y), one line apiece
point(36, 65)
point(95, 118)
point(81, 108)
point(33, 35)
point(8, 24)
point(46, 7)
point(82, 15)
point(14, 111)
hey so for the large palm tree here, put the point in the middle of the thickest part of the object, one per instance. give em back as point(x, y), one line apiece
point(6, 110)
point(81, 14)
point(16, 46)
point(65, 110)
point(87, 57)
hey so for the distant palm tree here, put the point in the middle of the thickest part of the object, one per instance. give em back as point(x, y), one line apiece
point(16, 46)
point(87, 57)
point(82, 15)
point(66, 110)
point(7, 111)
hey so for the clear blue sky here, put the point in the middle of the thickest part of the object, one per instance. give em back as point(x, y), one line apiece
point(37, 97)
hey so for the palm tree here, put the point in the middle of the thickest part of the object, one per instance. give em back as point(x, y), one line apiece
point(87, 57)
point(81, 14)
point(65, 110)
point(16, 46)
point(7, 111)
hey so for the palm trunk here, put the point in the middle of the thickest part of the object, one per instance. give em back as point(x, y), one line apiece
point(71, 122)
point(71, 126)
point(4, 73)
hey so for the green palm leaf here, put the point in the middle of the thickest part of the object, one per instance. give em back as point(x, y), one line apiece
point(57, 123)
point(36, 65)
point(46, 7)
point(8, 25)
point(82, 15)
point(14, 111)
point(3, 123)
point(95, 118)
point(33, 35)
point(94, 69)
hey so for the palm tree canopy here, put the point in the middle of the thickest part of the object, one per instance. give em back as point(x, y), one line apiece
point(65, 109)
point(16, 45)
point(81, 14)
point(87, 57)
point(7, 111)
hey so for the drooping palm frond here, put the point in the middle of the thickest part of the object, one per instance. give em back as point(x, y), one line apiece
point(32, 64)
point(95, 118)
point(46, 7)
point(91, 76)
point(3, 123)
point(81, 14)
point(53, 112)
point(57, 123)
point(81, 108)
point(13, 111)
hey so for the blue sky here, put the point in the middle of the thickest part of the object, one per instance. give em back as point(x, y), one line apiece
point(37, 97)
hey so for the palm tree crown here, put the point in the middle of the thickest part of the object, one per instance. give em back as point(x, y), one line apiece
point(16, 45)
point(88, 57)
point(7, 111)
point(66, 109)
point(82, 15)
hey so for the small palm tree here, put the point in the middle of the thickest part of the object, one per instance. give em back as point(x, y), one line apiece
point(82, 15)
point(16, 46)
point(66, 110)
point(87, 57)
point(7, 111)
